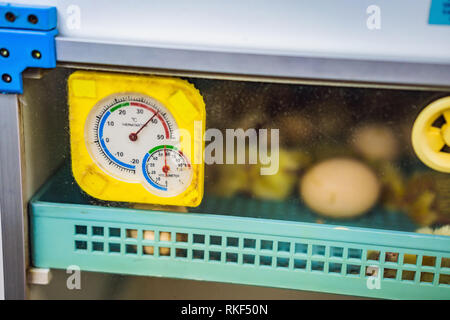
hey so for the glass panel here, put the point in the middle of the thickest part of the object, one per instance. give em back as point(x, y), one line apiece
point(345, 156)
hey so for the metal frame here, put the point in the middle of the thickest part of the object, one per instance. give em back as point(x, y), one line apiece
point(2, 285)
point(259, 65)
point(11, 199)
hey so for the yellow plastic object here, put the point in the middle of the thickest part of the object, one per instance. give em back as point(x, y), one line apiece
point(183, 101)
point(431, 141)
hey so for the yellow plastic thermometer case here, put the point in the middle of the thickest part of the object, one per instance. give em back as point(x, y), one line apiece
point(182, 99)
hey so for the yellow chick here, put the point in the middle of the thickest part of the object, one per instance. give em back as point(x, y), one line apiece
point(280, 185)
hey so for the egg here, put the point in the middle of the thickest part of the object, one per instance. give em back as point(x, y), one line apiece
point(150, 235)
point(340, 188)
point(442, 231)
point(375, 142)
point(163, 236)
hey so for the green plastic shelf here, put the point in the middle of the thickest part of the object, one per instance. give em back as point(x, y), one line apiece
point(239, 240)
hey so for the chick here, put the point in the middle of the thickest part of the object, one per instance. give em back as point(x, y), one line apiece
point(393, 185)
point(295, 129)
point(229, 180)
point(420, 199)
point(281, 184)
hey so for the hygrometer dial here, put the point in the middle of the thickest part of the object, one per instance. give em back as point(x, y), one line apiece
point(166, 170)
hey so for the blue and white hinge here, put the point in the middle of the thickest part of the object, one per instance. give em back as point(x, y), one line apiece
point(27, 40)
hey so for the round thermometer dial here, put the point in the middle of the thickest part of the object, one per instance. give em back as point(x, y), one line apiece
point(120, 128)
point(166, 170)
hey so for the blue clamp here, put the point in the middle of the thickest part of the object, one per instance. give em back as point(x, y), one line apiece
point(27, 39)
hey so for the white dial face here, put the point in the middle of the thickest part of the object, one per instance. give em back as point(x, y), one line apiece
point(166, 170)
point(121, 129)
